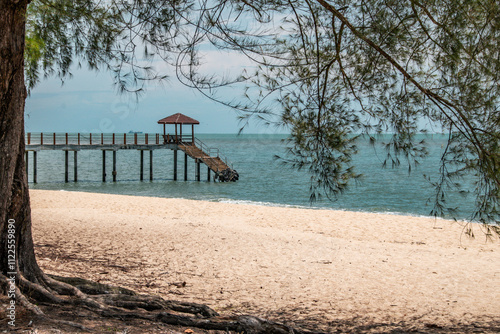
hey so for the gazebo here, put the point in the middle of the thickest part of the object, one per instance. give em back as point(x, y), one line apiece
point(177, 119)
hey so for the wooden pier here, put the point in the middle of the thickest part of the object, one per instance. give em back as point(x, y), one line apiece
point(188, 144)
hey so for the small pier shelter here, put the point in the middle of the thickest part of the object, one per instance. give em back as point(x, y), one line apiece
point(189, 144)
point(178, 119)
point(194, 148)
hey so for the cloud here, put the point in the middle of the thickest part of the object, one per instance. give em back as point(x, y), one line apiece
point(89, 102)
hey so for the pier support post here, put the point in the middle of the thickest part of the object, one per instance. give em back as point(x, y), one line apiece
point(142, 165)
point(208, 174)
point(114, 166)
point(150, 165)
point(198, 169)
point(34, 166)
point(26, 163)
point(175, 164)
point(103, 165)
point(185, 166)
point(75, 167)
point(66, 166)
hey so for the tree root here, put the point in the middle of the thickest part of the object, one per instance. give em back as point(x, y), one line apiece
point(37, 291)
point(46, 296)
point(20, 297)
point(239, 324)
point(66, 288)
point(119, 303)
point(80, 285)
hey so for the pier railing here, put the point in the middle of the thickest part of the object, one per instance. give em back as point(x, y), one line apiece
point(57, 138)
point(113, 142)
point(212, 152)
point(94, 139)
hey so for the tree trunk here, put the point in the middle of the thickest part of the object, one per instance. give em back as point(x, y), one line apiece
point(14, 196)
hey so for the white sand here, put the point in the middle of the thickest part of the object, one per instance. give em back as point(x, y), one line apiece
point(307, 264)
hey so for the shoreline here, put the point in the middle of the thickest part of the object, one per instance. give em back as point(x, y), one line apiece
point(275, 205)
point(309, 266)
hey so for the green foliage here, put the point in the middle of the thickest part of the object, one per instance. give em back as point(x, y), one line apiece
point(34, 50)
point(330, 71)
point(122, 37)
point(61, 32)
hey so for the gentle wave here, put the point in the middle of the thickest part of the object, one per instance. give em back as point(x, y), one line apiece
point(280, 205)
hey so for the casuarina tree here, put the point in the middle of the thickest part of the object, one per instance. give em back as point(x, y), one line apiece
point(329, 71)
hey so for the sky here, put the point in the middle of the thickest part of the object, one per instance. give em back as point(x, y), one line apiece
point(88, 102)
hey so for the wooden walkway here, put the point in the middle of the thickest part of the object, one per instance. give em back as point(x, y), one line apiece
point(192, 147)
point(214, 162)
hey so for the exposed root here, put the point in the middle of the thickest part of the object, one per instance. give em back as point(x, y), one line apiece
point(68, 289)
point(27, 304)
point(82, 286)
point(240, 324)
point(70, 324)
point(155, 303)
point(37, 291)
point(128, 299)
point(119, 303)
point(124, 307)
point(22, 300)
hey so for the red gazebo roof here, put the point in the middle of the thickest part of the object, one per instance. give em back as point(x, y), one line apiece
point(178, 119)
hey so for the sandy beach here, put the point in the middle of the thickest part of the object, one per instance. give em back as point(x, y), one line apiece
point(319, 267)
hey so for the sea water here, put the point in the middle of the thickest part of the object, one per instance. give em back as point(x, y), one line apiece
point(263, 179)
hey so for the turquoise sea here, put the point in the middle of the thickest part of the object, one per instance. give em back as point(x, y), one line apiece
point(263, 179)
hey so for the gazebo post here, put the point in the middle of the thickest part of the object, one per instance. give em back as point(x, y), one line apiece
point(164, 133)
point(179, 119)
